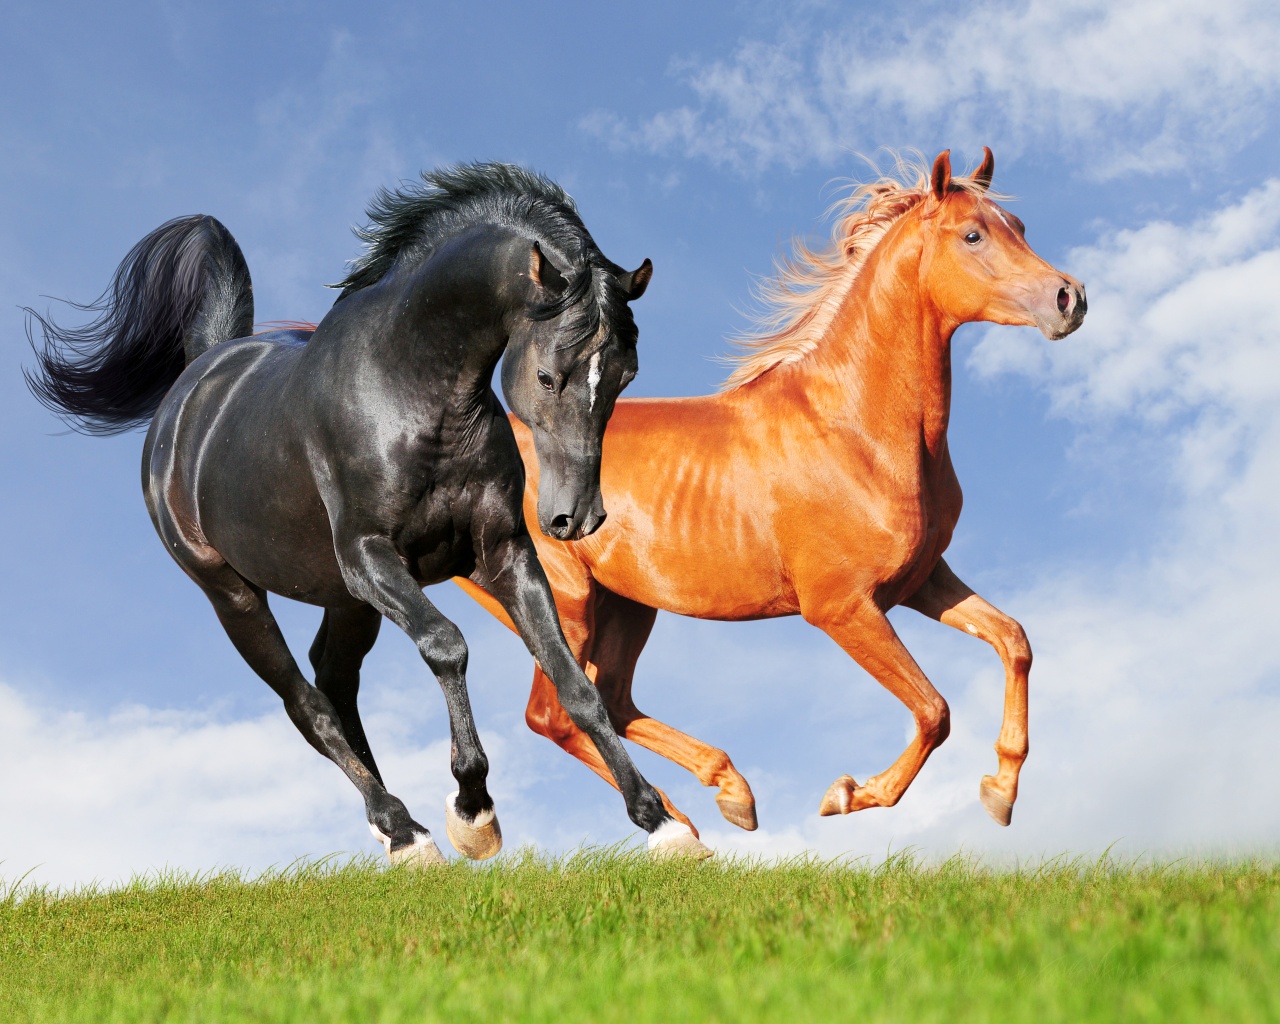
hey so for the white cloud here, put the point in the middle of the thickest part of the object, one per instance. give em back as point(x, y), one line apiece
point(1121, 87)
point(103, 797)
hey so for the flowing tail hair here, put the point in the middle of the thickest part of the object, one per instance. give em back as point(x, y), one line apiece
point(179, 291)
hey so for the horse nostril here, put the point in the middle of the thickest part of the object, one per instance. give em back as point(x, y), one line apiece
point(1064, 300)
point(561, 523)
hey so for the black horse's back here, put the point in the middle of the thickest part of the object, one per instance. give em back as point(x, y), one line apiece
point(182, 289)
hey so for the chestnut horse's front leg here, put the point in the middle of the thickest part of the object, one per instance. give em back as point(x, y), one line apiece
point(946, 598)
point(860, 627)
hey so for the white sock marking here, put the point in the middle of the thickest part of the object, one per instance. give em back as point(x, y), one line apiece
point(379, 835)
point(667, 831)
point(481, 820)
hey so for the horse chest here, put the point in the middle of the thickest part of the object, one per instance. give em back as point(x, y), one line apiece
point(920, 532)
point(442, 532)
point(437, 539)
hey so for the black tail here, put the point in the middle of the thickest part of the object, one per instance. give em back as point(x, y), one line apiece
point(182, 289)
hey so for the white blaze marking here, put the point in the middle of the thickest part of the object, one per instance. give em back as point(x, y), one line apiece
point(1003, 219)
point(593, 379)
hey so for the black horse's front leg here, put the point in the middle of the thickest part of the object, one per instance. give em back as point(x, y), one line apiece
point(512, 573)
point(375, 573)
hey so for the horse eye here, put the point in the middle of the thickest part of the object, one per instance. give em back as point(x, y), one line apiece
point(973, 238)
point(545, 380)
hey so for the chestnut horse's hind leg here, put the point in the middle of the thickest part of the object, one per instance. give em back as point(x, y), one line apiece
point(346, 635)
point(242, 609)
point(945, 598)
point(511, 572)
point(621, 629)
point(545, 715)
point(868, 637)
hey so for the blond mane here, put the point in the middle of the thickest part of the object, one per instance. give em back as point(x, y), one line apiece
point(801, 299)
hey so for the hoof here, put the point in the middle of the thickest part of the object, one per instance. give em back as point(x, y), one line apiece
point(1000, 809)
point(673, 840)
point(422, 853)
point(740, 814)
point(839, 796)
point(475, 840)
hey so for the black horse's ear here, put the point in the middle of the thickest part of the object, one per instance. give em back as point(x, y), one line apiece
point(543, 272)
point(982, 176)
point(940, 180)
point(634, 282)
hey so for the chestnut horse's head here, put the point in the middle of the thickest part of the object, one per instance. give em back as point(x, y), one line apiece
point(976, 262)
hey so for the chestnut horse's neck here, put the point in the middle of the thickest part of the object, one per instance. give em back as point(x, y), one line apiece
point(882, 368)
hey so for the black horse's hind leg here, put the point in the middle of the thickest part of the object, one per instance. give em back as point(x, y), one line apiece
point(374, 573)
point(242, 610)
point(346, 635)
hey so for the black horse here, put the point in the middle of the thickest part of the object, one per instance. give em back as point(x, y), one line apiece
point(351, 466)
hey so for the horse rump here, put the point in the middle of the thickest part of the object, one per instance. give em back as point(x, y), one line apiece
point(182, 289)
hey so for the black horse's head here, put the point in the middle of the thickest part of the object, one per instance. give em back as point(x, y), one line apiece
point(570, 352)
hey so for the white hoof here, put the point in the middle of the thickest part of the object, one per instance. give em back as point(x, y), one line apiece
point(476, 840)
point(422, 854)
point(675, 840)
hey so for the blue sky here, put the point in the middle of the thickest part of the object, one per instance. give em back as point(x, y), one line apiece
point(1121, 486)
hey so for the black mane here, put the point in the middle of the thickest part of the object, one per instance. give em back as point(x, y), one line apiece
point(412, 219)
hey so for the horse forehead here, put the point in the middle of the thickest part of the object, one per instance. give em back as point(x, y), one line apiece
point(1004, 216)
point(598, 346)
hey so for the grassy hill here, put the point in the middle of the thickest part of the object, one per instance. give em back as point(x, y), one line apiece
point(603, 936)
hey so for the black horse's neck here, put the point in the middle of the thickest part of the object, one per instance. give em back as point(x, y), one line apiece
point(447, 315)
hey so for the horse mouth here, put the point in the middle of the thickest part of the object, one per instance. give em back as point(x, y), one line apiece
point(569, 528)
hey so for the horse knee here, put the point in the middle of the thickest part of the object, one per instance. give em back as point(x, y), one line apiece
point(583, 706)
point(934, 723)
point(1017, 649)
point(445, 651)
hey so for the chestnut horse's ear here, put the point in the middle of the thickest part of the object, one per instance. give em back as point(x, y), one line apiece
point(940, 180)
point(982, 176)
point(543, 272)
point(634, 282)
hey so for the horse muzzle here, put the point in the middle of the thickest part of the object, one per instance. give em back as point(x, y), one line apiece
point(573, 521)
point(1065, 312)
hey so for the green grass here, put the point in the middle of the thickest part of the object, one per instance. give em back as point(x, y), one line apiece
point(603, 936)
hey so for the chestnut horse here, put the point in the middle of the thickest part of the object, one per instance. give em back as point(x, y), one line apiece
point(818, 482)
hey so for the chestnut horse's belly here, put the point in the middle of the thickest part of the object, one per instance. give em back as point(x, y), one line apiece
point(727, 575)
